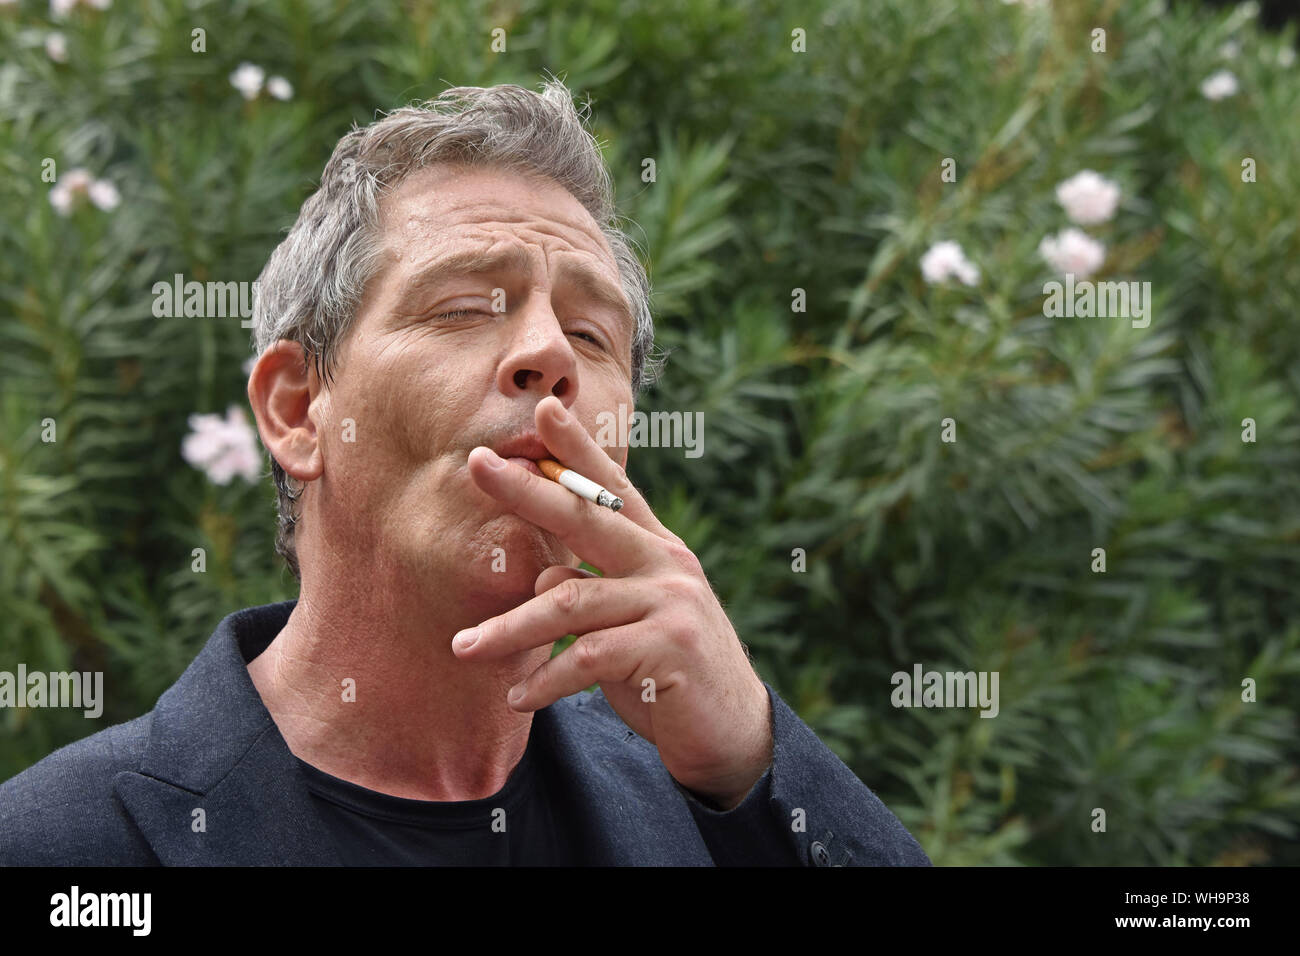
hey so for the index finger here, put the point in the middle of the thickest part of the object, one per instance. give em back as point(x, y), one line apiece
point(576, 449)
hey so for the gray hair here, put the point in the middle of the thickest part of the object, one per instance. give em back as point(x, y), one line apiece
point(314, 280)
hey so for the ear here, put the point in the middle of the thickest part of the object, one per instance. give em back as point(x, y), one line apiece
point(280, 391)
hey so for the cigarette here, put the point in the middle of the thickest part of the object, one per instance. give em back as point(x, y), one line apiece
point(583, 487)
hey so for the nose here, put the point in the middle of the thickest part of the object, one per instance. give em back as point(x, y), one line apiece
point(540, 358)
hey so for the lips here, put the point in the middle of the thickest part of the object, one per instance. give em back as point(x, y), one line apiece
point(524, 450)
point(527, 463)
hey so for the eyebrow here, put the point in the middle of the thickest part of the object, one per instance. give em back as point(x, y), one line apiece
point(513, 259)
point(465, 262)
point(598, 289)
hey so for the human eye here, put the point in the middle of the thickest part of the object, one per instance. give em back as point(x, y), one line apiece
point(589, 331)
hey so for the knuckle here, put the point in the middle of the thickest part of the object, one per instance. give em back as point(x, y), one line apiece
point(586, 655)
point(622, 483)
point(683, 557)
point(682, 635)
point(679, 586)
point(568, 594)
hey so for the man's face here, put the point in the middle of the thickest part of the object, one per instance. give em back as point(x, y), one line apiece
point(429, 370)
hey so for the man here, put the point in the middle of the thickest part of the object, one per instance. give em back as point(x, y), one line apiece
point(453, 304)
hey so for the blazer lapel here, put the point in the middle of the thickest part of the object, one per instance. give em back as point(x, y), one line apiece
point(217, 784)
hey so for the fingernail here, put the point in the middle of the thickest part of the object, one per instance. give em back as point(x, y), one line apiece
point(495, 461)
point(467, 638)
point(559, 412)
point(516, 694)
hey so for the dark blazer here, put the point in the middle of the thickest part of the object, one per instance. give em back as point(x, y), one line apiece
point(126, 795)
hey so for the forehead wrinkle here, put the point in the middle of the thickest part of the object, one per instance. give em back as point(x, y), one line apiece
point(437, 203)
point(446, 212)
point(509, 258)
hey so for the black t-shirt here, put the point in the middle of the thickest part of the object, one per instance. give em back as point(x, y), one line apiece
point(521, 825)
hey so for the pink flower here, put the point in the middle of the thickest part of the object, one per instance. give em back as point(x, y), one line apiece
point(1088, 198)
point(1073, 251)
point(104, 195)
point(61, 8)
point(945, 260)
point(56, 47)
point(279, 87)
point(248, 80)
point(71, 185)
point(223, 448)
point(1219, 85)
point(77, 184)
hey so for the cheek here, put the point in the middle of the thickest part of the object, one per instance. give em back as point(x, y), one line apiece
point(418, 408)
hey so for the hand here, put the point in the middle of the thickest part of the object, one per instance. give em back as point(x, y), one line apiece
point(651, 627)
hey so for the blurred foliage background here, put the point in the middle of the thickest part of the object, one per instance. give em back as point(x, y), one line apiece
point(776, 170)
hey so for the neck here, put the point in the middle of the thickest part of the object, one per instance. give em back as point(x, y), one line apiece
point(422, 724)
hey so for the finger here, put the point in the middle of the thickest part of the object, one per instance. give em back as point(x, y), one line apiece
point(574, 448)
point(575, 606)
point(597, 535)
point(610, 656)
point(556, 573)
